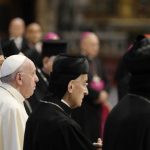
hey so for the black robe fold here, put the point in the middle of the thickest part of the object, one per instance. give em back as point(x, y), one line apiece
point(50, 127)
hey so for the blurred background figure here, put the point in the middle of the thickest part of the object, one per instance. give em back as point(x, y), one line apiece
point(16, 32)
point(123, 75)
point(50, 49)
point(15, 41)
point(128, 124)
point(34, 37)
point(95, 108)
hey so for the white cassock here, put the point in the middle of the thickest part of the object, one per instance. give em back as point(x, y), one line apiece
point(13, 118)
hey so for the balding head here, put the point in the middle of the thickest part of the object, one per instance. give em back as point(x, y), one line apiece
point(16, 27)
point(89, 44)
point(33, 33)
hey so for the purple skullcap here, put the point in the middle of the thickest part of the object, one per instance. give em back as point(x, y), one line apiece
point(85, 34)
point(51, 36)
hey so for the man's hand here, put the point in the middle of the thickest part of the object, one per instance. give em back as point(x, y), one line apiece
point(99, 144)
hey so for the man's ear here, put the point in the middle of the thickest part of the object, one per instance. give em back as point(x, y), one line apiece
point(45, 60)
point(18, 78)
point(70, 86)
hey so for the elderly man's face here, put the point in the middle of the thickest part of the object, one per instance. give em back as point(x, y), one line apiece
point(78, 90)
point(28, 79)
point(47, 64)
point(16, 28)
point(34, 33)
point(90, 45)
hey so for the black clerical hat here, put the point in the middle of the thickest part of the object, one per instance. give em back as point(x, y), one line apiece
point(53, 47)
point(138, 60)
point(66, 68)
point(70, 64)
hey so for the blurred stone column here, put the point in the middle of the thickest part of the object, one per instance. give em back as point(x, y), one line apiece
point(5, 15)
point(46, 14)
point(66, 15)
point(126, 8)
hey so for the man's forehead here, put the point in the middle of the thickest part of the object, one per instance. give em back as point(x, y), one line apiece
point(29, 64)
point(88, 35)
point(82, 77)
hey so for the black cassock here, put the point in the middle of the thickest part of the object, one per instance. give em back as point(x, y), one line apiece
point(128, 125)
point(50, 127)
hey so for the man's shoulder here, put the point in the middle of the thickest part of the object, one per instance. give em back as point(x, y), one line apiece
point(49, 113)
point(130, 109)
point(8, 102)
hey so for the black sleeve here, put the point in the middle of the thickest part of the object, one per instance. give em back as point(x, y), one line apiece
point(74, 139)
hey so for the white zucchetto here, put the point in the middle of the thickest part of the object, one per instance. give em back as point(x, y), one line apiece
point(11, 64)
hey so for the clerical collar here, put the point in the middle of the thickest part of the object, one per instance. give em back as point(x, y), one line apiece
point(65, 106)
point(62, 105)
point(65, 103)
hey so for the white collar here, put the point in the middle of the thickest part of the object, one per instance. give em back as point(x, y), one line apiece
point(63, 101)
point(14, 92)
point(16, 38)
